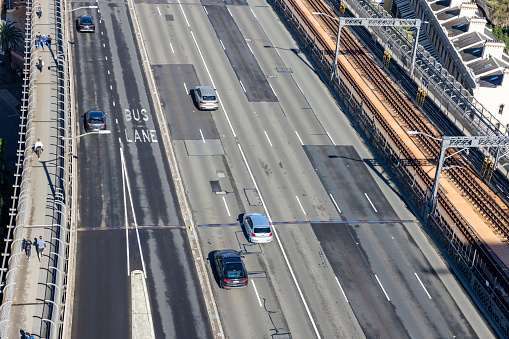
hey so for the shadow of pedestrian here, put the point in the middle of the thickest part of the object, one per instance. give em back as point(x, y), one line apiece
point(51, 186)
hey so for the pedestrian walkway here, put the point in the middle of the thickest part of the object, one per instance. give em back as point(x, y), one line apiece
point(36, 295)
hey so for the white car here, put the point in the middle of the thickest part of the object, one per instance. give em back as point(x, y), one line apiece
point(257, 227)
point(206, 98)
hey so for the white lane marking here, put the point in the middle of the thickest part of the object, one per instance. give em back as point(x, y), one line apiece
point(272, 89)
point(116, 121)
point(341, 288)
point(370, 202)
point(114, 103)
point(212, 82)
point(224, 49)
point(267, 138)
point(185, 87)
point(171, 46)
point(205, 10)
point(302, 208)
point(256, 291)
point(225, 205)
point(104, 45)
point(159, 10)
point(229, 11)
point(330, 138)
point(125, 216)
point(202, 138)
point(242, 86)
point(134, 217)
point(106, 57)
point(111, 88)
point(334, 201)
point(185, 17)
point(280, 245)
point(253, 12)
point(425, 290)
point(383, 289)
point(250, 48)
point(298, 136)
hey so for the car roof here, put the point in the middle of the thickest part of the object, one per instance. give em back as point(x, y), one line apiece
point(206, 90)
point(259, 220)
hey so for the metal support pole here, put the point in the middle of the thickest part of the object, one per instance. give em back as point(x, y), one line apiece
point(334, 72)
point(414, 52)
point(432, 200)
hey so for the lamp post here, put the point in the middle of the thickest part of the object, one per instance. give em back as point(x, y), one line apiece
point(104, 131)
point(335, 63)
point(75, 9)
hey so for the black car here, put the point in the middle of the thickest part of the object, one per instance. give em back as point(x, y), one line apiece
point(95, 121)
point(230, 269)
point(85, 24)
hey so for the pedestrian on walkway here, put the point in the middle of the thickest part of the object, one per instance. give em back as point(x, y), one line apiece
point(38, 147)
point(48, 41)
point(40, 63)
point(27, 246)
point(38, 10)
point(44, 38)
point(38, 40)
point(41, 245)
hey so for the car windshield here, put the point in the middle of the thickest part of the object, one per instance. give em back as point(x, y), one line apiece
point(86, 20)
point(96, 117)
point(234, 270)
point(262, 230)
point(209, 97)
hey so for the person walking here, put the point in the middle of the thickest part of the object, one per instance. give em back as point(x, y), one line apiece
point(41, 245)
point(48, 41)
point(44, 38)
point(27, 246)
point(40, 63)
point(38, 40)
point(38, 147)
point(38, 10)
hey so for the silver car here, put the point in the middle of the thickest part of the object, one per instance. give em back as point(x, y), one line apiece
point(257, 227)
point(206, 97)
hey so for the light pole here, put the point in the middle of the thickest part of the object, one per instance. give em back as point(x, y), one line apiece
point(75, 9)
point(335, 63)
point(444, 144)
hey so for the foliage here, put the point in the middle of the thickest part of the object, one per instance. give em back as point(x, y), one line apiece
point(502, 33)
point(500, 12)
point(10, 36)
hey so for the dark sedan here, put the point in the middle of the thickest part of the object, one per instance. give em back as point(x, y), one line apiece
point(85, 24)
point(230, 269)
point(95, 121)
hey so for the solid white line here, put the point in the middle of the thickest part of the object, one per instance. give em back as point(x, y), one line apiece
point(242, 86)
point(280, 245)
point(185, 87)
point(159, 10)
point(212, 82)
point(268, 138)
point(185, 17)
point(253, 12)
point(227, 210)
point(125, 214)
point(272, 89)
point(229, 11)
point(224, 49)
point(250, 48)
point(135, 221)
point(302, 208)
point(298, 136)
point(334, 201)
point(330, 138)
point(205, 10)
point(341, 288)
point(171, 46)
point(425, 290)
point(383, 289)
point(202, 138)
point(256, 291)
point(370, 202)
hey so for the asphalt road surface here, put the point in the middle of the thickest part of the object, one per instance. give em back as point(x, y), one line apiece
point(124, 181)
point(348, 258)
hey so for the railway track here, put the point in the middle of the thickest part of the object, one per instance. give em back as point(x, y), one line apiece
point(413, 120)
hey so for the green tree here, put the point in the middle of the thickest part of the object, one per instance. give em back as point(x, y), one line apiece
point(10, 36)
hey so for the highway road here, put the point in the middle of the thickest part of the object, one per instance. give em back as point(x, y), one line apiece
point(348, 259)
point(123, 181)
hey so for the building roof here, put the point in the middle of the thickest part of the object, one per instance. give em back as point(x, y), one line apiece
point(472, 53)
point(448, 14)
point(440, 5)
point(492, 80)
point(467, 40)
